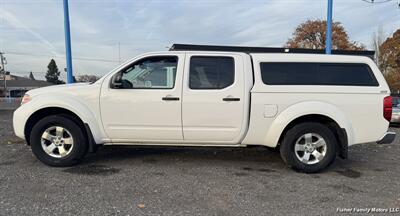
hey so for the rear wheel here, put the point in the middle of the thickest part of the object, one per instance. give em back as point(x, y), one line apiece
point(309, 147)
point(58, 141)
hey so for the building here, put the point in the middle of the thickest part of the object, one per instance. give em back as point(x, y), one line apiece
point(17, 86)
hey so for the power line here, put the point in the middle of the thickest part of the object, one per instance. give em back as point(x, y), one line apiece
point(381, 1)
point(376, 2)
point(52, 56)
point(27, 72)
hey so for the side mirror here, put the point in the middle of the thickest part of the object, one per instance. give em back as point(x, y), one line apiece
point(116, 81)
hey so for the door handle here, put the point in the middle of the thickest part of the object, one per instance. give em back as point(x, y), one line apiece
point(231, 99)
point(169, 98)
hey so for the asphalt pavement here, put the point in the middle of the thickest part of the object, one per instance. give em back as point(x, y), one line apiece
point(121, 180)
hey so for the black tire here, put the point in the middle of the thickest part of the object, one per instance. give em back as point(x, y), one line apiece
point(80, 145)
point(287, 149)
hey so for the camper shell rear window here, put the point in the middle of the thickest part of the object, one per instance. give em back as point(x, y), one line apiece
point(299, 73)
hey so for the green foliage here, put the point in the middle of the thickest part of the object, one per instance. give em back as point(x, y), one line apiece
point(53, 73)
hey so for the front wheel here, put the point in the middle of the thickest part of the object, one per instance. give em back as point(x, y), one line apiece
point(58, 141)
point(309, 147)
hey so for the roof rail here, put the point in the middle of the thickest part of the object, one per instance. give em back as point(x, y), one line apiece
point(245, 49)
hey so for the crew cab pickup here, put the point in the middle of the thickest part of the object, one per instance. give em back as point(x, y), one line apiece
point(310, 106)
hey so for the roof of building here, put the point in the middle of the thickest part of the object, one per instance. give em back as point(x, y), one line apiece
point(22, 82)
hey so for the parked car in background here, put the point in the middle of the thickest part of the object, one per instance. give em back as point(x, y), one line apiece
point(307, 105)
point(395, 110)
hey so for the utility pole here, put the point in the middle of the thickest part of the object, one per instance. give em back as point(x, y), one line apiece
point(3, 70)
point(70, 78)
point(328, 49)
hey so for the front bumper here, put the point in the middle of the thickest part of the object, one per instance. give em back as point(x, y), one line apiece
point(387, 138)
point(20, 117)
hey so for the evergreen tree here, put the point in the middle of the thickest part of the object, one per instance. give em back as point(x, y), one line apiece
point(53, 73)
point(31, 76)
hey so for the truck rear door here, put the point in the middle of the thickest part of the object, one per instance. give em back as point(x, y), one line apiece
point(213, 103)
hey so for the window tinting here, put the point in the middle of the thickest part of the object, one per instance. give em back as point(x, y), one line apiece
point(211, 72)
point(347, 74)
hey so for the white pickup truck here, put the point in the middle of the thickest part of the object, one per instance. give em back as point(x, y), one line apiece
point(310, 106)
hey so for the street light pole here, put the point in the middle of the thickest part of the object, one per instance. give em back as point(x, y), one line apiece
point(70, 78)
point(328, 49)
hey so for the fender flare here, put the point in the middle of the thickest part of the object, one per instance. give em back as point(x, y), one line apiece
point(307, 108)
point(73, 105)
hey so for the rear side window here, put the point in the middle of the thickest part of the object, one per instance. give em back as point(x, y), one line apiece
point(211, 72)
point(292, 73)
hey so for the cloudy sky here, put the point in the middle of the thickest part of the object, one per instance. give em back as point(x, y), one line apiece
point(31, 31)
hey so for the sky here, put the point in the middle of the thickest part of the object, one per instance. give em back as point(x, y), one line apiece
point(32, 31)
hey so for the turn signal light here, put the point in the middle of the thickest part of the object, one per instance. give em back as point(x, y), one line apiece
point(25, 99)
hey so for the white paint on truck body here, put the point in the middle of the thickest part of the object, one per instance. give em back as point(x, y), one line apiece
point(357, 109)
point(201, 117)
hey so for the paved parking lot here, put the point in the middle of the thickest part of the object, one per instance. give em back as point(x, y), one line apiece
point(192, 181)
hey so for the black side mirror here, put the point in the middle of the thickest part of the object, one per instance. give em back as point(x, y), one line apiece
point(116, 81)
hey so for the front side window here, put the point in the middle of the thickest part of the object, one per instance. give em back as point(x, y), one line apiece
point(208, 72)
point(151, 73)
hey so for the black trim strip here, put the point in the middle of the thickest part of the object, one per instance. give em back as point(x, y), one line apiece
point(231, 99)
point(170, 98)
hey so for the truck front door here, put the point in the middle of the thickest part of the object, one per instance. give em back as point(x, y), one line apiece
point(145, 104)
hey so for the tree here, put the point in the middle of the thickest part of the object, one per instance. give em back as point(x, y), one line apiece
point(88, 78)
point(312, 35)
point(53, 73)
point(389, 60)
point(31, 76)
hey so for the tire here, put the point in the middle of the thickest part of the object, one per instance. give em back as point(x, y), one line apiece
point(46, 134)
point(308, 139)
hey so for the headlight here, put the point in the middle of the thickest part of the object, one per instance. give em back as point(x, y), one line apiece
point(25, 99)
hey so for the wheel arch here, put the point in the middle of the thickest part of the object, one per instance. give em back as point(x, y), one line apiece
point(86, 109)
point(314, 111)
point(340, 133)
point(47, 111)
point(55, 110)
